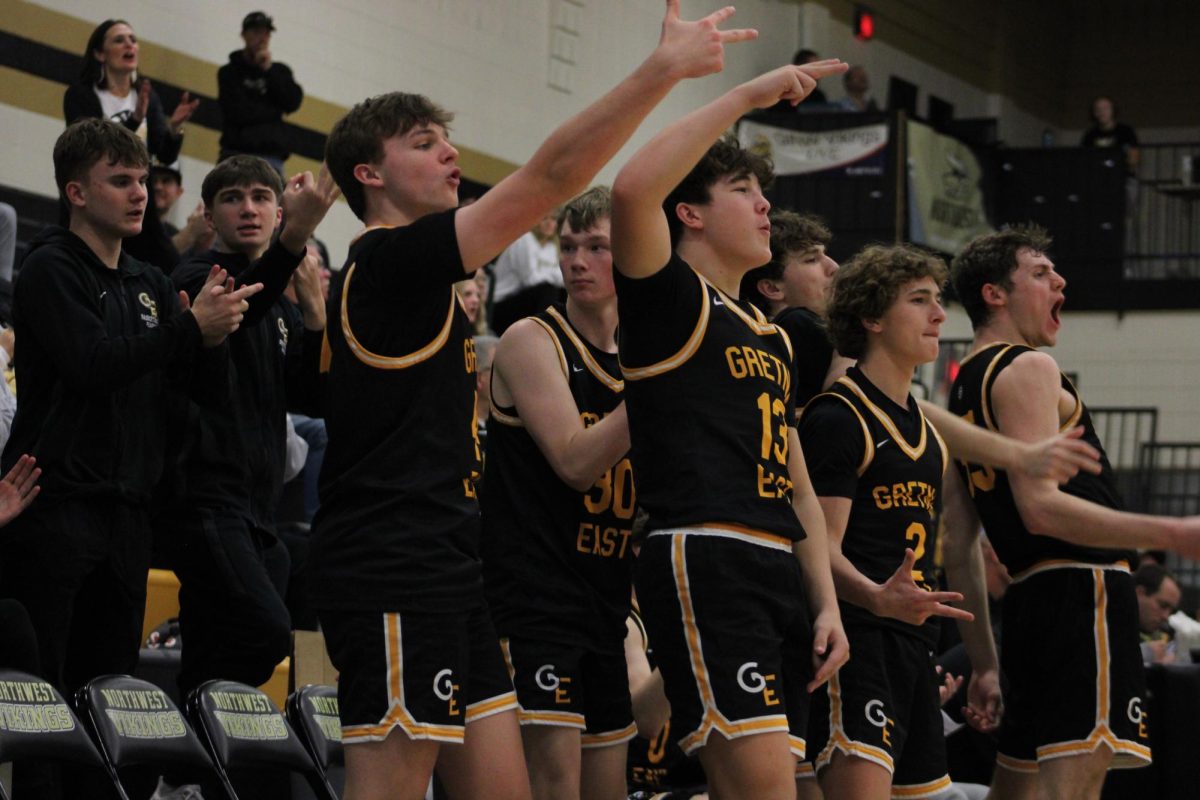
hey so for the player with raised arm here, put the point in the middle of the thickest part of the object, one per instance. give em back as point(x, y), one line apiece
point(1068, 547)
point(397, 576)
point(877, 466)
point(736, 537)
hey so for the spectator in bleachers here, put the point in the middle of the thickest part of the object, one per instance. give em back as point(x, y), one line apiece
point(527, 276)
point(255, 92)
point(857, 84)
point(231, 564)
point(197, 235)
point(8, 240)
point(1158, 597)
point(1106, 131)
point(109, 88)
point(102, 337)
point(814, 101)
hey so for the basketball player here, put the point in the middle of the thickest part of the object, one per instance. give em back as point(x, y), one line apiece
point(736, 538)
point(397, 582)
point(558, 507)
point(876, 465)
point(1068, 548)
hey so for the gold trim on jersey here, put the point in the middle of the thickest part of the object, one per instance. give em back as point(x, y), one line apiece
point(1064, 563)
point(985, 389)
point(914, 791)
point(941, 444)
point(562, 356)
point(594, 741)
point(912, 451)
point(758, 323)
point(614, 384)
point(392, 362)
point(868, 445)
point(723, 530)
point(687, 351)
point(506, 419)
point(1078, 412)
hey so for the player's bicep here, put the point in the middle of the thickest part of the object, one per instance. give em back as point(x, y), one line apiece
point(528, 363)
point(641, 240)
point(837, 516)
point(508, 210)
point(1024, 403)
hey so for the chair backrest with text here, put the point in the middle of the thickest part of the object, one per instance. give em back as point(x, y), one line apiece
point(37, 723)
point(137, 723)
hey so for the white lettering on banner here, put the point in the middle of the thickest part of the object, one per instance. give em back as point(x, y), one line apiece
point(801, 152)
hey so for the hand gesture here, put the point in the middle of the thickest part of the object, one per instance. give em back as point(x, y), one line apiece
point(792, 83)
point(831, 648)
point(183, 112)
point(1060, 457)
point(901, 598)
point(219, 307)
point(985, 706)
point(18, 488)
point(306, 283)
point(143, 101)
point(305, 203)
point(262, 58)
point(693, 49)
point(197, 230)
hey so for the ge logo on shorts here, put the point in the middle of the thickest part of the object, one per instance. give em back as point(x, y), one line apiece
point(547, 681)
point(1138, 716)
point(444, 688)
point(878, 717)
point(754, 682)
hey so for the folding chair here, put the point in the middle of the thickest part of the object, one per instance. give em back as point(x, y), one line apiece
point(36, 723)
point(136, 723)
point(241, 729)
point(313, 713)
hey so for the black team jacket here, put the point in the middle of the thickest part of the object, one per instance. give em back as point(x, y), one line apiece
point(231, 460)
point(253, 102)
point(99, 350)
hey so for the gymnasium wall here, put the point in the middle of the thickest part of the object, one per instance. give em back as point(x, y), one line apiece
point(513, 69)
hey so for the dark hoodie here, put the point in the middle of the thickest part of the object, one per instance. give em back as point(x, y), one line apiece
point(99, 347)
point(233, 459)
point(253, 102)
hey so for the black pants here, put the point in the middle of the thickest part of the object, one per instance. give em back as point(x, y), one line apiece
point(79, 568)
point(232, 617)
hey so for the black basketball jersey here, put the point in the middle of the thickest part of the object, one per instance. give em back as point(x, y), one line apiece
point(557, 562)
point(708, 385)
point(889, 461)
point(812, 348)
point(398, 524)
point(1017, 548)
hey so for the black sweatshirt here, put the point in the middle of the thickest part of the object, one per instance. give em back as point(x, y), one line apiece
point(99, 348)
point(253, 102)
point(233, 459)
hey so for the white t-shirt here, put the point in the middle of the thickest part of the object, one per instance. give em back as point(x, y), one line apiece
point(119, 109)
point(524, 264)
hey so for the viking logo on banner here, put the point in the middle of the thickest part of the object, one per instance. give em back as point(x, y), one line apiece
point(945, 198)
point(852, 152)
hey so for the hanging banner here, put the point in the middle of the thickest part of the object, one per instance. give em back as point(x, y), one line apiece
point(852, 152)
point(945, 195)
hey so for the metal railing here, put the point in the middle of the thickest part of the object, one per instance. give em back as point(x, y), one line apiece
point(1163, 226)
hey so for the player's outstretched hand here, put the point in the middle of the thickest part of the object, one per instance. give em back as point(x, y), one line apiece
point(792, 83)
point(831, 648)
point(985, 706)
point(901, 598)
point(219, 307)
point(1060, 457)
point(695, 48)
point(306, 201)
point(18, 488)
